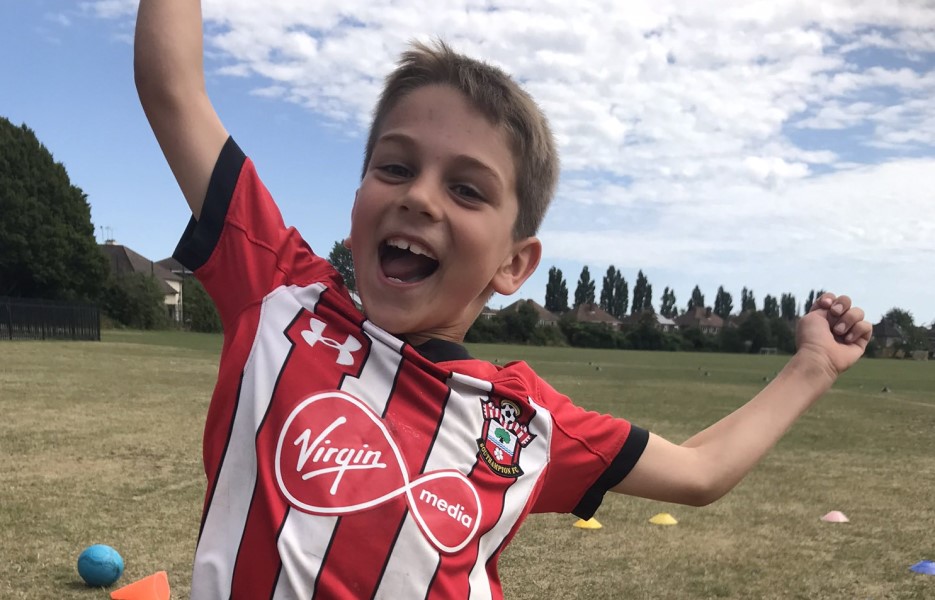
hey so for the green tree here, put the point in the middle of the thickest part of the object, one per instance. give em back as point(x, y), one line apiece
point(548, 335)
point(901, 318)
point(788, 309)
point(781, 335)
point(648, 299)
point(584, 292)
point(589, 335)
point(918, 339)
point(639, 294)
point(342, 260)
point(770, 306)
point(611, 289)
point(809, 301)
point(134, 300)
point(730, 339)
point(747, 301)
point(667, 309)
point(519, 325)
point(697, 299)
point(200, 314)
point(621, 297)
point(646, 336)
point(755, 330)
point(723, 303)
point(47, 245)
point(486, 331)
point(693, 339)
point(556, 292)
point(914, 338)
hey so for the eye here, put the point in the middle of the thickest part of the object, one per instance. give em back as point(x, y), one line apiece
point(396, 171)
point(467, 191)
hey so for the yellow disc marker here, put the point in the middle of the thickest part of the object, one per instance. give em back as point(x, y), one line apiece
point(591, 523)
point(663, 519)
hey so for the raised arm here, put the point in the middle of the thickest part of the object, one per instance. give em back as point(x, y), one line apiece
point(169, 72)
point(704, 468)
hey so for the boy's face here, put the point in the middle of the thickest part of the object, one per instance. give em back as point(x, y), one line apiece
point(431, 229)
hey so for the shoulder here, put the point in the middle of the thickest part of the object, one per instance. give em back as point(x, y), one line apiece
point(520, 378)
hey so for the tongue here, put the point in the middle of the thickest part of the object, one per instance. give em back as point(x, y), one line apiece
point(407, 266)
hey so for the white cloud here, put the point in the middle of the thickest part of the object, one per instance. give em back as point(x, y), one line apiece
point(59, 18)
point(772, 125)
point(868, 228)
point(109, 9)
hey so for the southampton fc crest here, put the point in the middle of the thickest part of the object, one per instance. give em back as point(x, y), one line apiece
point(505, 434)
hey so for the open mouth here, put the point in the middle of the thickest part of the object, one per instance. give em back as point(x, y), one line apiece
point(406, 262)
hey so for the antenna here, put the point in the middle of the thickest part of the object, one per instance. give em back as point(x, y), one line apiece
point(107, 233)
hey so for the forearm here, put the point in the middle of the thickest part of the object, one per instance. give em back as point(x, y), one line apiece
point(726, 451)
point(712, 462)
point(169, 73)
point(168, 53)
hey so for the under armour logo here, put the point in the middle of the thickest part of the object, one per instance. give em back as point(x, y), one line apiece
point(345, 350)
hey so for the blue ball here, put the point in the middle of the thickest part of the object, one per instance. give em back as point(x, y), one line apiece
point(100, 565)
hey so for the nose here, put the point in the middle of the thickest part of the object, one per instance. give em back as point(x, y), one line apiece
point(423, 196)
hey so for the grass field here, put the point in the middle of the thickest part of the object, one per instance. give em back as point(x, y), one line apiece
point(101, 443)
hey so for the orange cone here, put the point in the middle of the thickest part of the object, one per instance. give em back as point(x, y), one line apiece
point(154, 587)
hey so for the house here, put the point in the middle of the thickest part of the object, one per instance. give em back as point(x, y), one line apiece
point(545, 317)
point(703, 318)
point(739, 319)
point(175, 267)
point(124, 260)
point(592, 313)
point(888, 334)
point(664, 324)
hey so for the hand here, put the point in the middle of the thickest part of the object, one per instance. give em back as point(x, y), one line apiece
point(833, 331)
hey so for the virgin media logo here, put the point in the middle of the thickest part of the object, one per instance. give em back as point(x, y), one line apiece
point(336, 457)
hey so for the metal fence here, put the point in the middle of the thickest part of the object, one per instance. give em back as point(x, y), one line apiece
point(35, 319)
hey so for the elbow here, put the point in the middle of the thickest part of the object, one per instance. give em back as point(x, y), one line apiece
point(701, 498)
point(707, 480)
point(696, 497)
point(161, 98)
point(703, 491)
point(150, 87)
point(159, 85)
point(142, 65)
point(146, 84)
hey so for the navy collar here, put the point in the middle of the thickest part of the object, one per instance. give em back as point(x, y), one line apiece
point(438, 351)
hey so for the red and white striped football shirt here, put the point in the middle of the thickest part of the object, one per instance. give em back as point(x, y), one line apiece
point(345, 463)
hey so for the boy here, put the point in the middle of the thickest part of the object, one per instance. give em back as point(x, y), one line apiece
point(363, 455)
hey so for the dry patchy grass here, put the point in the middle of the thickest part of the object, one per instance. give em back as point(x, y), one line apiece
point(864, 452)
point(102, 444)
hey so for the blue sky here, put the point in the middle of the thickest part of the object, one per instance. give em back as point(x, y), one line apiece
point(771, 145)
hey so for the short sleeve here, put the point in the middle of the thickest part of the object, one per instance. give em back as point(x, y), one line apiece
point(239, 247)
point(589, 454)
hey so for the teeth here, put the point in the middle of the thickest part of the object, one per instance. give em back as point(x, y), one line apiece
point(410, 246)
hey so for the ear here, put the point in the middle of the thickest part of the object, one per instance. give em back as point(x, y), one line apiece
point(518, 266)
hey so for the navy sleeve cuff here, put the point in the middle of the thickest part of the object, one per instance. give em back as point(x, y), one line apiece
point(621, 466)
point(201, 236)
